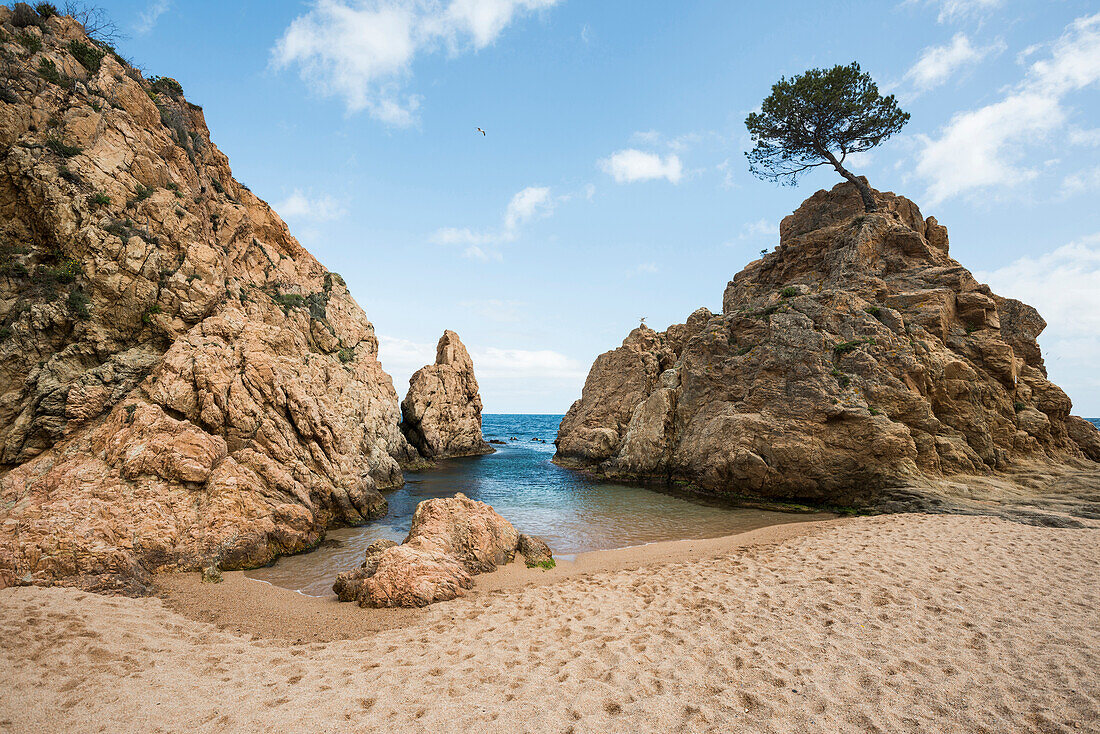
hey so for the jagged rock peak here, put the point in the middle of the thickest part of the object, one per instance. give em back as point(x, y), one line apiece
point(442, 410)
point(182, 384)
point(857, 357)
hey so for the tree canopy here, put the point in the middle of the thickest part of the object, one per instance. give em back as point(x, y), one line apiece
point(819, 118)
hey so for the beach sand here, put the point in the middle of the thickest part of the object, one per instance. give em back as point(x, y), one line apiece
point(895, 623)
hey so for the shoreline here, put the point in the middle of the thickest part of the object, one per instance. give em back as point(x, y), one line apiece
point(260, 609)
point(907, 622)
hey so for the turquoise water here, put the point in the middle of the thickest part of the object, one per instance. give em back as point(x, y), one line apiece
point(573, 513)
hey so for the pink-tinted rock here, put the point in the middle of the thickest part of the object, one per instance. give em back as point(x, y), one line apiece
point(451, 539)
point(441, 414)
point(467, 530)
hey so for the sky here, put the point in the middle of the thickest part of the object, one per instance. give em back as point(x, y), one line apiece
point(611, 182)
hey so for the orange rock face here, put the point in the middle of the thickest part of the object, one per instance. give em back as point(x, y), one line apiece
point(451, 539)
point(181, 383)
point(441, 414)
point(855, 360)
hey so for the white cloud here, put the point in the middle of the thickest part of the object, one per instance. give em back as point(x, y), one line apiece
point(983, 148)
point(631, 165)
point(526, 206)
point(494, 362)
point(938, 63)
point(533, 202)
point(148, 18)
point(759, 228)
point(1064, 285)
point(1081, 182)
point(953, 10)
point(362, 50)
point(317, 209)
point(474, 252)
point(461, 236)
point(727, 174)
point(402, 357)
point(643, 269)
point(1077, 136)
point(496, 368)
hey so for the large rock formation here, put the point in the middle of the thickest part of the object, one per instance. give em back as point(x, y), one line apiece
point(856, 357)
point(181, 384)
point(442, 410)
point(451, 539)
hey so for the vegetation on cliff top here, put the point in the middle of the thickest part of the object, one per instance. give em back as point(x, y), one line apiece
point(819, 118)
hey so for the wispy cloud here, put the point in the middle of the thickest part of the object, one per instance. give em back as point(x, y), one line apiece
point(1081, 182)
point(1064, 285)
point(1077, 136)
point(402, 357)
point(362, 50)
point(985, 147)
point(643, 269)
point(956, 10)
point(526, 206)
point(475, 252)
point(937, 64)
point(758, 229)
point(632, 165)
point(318, 209)
point(147, 19)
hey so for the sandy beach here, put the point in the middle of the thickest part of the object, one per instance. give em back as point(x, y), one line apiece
point(894, 623)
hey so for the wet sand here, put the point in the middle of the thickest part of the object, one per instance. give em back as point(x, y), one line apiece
point(896, 623)
point(245, 605)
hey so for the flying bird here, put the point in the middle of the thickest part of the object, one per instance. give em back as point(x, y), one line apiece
point(481, 131)
point(642, 319)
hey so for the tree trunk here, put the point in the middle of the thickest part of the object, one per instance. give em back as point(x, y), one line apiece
point(864, 190)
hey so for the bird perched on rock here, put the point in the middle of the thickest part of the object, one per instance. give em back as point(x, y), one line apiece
point(481, 131)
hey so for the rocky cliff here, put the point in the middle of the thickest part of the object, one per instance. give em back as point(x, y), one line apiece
point(181, 383)
point(442, 410)
point(856, 358)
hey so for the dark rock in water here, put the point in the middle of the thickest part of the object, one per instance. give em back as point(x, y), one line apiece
point(535, 551)
point(856, 358)
point(513, 438)
point(498, 442)
point(330, 543)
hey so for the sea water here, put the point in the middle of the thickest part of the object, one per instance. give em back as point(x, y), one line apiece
point(573, 512)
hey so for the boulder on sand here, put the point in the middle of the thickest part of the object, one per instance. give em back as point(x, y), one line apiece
point(535, 551)
point(451, 539)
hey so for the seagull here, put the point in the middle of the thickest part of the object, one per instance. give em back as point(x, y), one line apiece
point(481, 131)
point(642, 319)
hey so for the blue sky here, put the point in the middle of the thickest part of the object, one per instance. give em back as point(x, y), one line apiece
point(612, 183)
